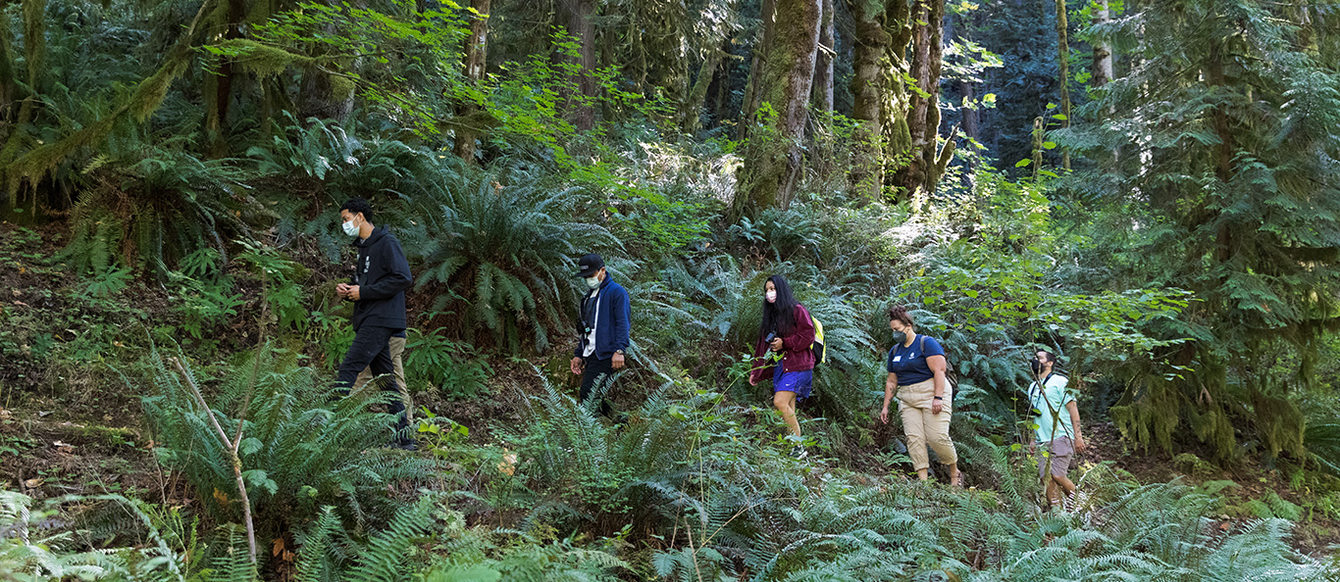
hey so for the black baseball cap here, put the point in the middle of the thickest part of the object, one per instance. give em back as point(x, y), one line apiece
point(589, 264)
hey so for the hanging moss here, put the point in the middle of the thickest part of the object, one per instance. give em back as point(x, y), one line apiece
point(258, 58)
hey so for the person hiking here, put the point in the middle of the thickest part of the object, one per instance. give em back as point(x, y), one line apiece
point(785, 336)
point(917, 369)
point(381, 277)
point(1058, 431)
point(603, 330)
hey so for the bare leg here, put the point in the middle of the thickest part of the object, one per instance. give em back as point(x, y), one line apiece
point(954, 475)
point(921, 474)
point(785, 402)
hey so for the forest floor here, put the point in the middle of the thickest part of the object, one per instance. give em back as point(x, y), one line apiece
point(70, 427)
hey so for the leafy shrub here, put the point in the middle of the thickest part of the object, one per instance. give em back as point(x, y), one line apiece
point(450, 365)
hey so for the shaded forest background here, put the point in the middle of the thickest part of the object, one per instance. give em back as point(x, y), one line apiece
point(1147, 188)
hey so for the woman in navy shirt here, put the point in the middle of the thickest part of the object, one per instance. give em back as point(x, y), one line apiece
point(925, 400)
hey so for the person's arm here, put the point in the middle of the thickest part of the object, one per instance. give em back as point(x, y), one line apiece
point(802, 337)
point(938, 364)
point(621, 314)
point(890, 385)
point(398, 280)
point(1073, 408)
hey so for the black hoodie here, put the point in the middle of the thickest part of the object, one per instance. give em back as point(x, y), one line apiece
point(382, 275)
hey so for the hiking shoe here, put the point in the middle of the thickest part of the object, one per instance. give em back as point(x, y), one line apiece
point(799, 452)
point(407, 445)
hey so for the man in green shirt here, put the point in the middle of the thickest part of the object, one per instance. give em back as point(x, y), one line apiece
point(1058, 430)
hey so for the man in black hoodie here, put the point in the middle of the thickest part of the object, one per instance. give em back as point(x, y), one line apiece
point(381, 277)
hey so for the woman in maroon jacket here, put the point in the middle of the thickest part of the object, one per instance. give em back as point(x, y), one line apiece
point(788, 332)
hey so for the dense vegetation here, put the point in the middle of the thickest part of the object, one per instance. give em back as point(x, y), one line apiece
point(1147, 188)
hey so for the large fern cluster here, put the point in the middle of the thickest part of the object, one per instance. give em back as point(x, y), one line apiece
point(504, 251)
point(302, 446)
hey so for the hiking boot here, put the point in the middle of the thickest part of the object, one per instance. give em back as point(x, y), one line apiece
point(799, 452)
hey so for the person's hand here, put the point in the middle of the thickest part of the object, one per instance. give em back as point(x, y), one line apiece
point(937, 406)
point(576, 365)
point(776, 345)
point(352, 292)
point(884, 414)
point(342, 290)
point(1080, 445)
point(617, 361)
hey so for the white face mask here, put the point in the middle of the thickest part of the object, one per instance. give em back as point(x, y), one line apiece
point(593, 282)
point(770, 295)
point(349, 228)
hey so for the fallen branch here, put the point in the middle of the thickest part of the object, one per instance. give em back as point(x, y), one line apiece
point(231, 447)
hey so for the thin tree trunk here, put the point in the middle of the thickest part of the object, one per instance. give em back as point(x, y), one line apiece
point(577, 17)
point(35, 52)
point(219, 87)
point(7, 83)
point(767, 16)
point(823, 69)
point(772, 163)
point(972, 118)
point(923, 169)
point(1063, 77)
point(476, 53)
point(1101, 71)
point(691, 114)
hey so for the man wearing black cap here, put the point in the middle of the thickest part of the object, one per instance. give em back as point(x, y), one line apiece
point(604, 327)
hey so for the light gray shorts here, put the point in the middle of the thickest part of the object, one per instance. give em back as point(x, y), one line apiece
point(1062, 449)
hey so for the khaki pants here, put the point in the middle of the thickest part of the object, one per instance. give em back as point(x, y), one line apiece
point(397, 345)
point(924, 428)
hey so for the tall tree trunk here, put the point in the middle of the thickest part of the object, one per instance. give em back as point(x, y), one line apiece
point(691, 114)
point(577, 17)
point(823, 68)
point(476, 53)
point(1101, 71)
point(1063, 76)
point(35, 52)
point(773, 158)
point(767, 18)
point(869, 43)
point(926, 162)
point(7, 83)
point(219, 87)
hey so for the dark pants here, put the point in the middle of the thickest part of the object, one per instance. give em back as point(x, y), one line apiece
point(371, 349)
point(597, 372)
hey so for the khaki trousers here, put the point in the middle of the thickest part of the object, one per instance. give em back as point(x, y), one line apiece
point(924, 428)
point(397, 345)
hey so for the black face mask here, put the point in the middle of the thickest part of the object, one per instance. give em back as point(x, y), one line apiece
point(1036, 365)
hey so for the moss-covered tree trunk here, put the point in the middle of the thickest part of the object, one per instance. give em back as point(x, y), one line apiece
point(7, 84)
point(869, 45)
point(925, 161)
point(767, 10)
point(823, 68)
point(773, 155)
point(476, 57)
point(1101, 69)
point(577, 18)
point(1063, 75)
point(691, 113)
point(218, 87)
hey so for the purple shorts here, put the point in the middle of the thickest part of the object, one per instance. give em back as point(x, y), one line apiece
point(798, 382)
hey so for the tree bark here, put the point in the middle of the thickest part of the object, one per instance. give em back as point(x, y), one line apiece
point(691, 114)
point(869, 43)
point(476, 53)
point(1063, 75)
point(773, 158)
point(767, 16)
point(1101, 70)
point(922, 171)
point(823, 68)
point(35, 52)
point(7, 84)
point(577, 17)
point(219, 87)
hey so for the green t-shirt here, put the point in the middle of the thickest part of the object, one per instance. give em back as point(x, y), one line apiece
point(1049, 404)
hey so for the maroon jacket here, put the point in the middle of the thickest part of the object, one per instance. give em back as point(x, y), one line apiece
point(796, 353)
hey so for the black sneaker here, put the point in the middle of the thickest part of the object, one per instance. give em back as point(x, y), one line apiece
point(408, 445)
point(799, 452)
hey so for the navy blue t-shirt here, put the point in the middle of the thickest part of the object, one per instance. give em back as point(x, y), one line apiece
point(910, 364)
